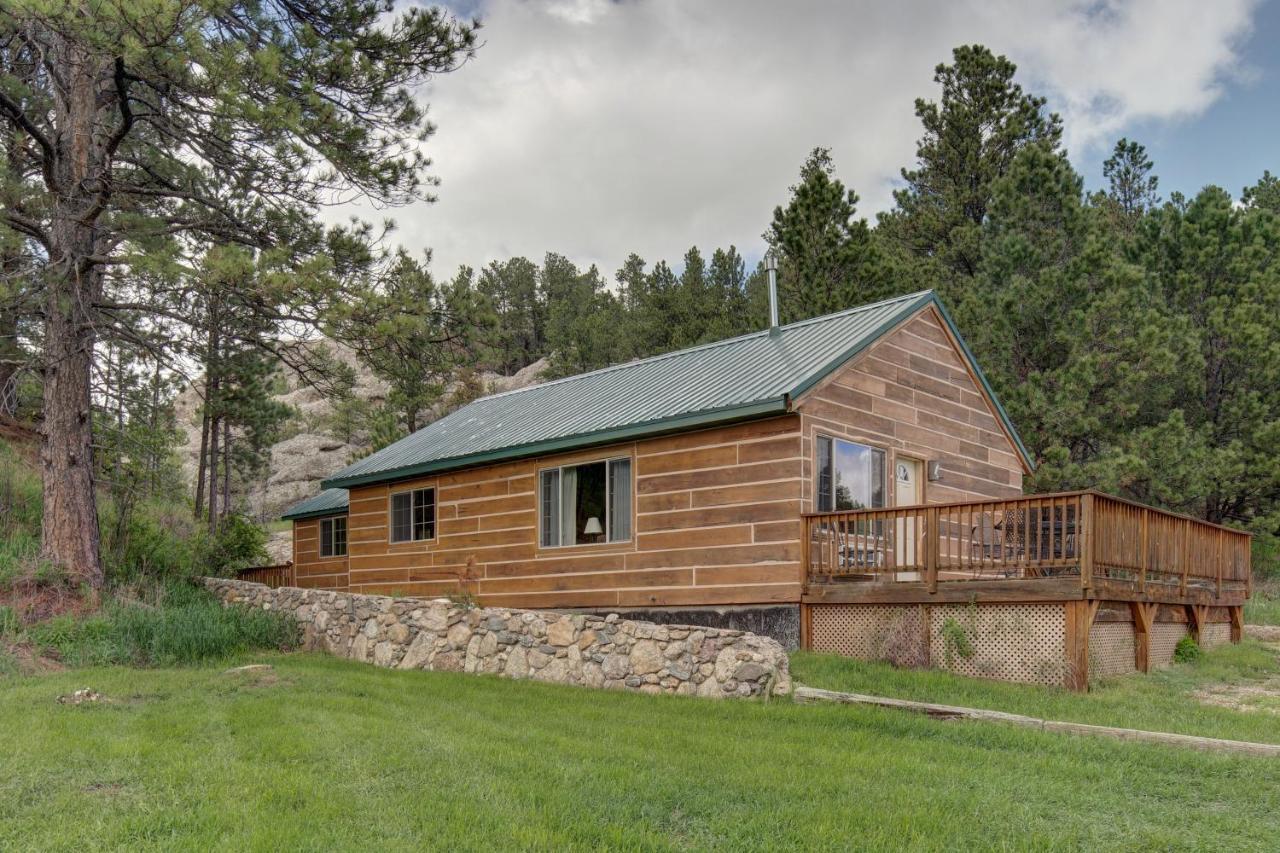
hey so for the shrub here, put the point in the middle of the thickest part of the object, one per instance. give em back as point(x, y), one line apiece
point(237, 544)
point(156, 543)
point(177, 623)
point(1187, 650)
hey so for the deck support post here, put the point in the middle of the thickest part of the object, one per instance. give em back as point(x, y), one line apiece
point(1079, 620)
point(1143, 615)
point(1197, 618)
point(806, 627)
point(1237, 623)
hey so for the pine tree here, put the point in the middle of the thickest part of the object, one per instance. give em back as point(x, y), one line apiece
point(1264, 195)
point(828, 261)
point(511, 289)
point(416, 334)
point(971, 137)
point(1131, 184)
point(144, 124)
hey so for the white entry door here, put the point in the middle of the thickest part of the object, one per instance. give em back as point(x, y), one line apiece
point(908, 491)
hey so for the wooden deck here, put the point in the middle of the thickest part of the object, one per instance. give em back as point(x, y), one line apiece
point(1058, 547)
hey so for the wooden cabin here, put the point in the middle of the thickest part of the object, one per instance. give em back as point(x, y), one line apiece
point(849, 483)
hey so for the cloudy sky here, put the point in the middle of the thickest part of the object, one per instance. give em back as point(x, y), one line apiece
point(597, 128)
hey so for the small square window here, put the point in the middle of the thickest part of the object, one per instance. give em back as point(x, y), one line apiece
point(333, 537)
point(413, 515)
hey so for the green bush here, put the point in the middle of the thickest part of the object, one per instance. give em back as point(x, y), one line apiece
point(1187, 650)
point(237, 544)
point(177, 623)
point(157, 543)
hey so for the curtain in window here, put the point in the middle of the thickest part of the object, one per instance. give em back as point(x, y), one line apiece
point(619, 500)
point(568, 505)
point(824, 475)
point(550, 508)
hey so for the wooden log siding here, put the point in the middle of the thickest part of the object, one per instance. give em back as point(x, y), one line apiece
point(911, 394)
point(717, 512)
point(310, 571)
point(716, 520)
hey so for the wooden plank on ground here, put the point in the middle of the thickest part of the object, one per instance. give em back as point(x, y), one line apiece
point(814, 695)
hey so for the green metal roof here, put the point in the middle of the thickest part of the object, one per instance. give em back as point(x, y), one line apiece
point(328, 502)
point(749, 376)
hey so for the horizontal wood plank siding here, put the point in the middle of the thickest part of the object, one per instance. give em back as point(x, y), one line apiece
point(310, 571)
point(716, 520)
point(911, 394)
point(716, 512)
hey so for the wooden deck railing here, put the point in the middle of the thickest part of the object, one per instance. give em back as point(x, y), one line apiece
point(273, 576)
point(1078, 534)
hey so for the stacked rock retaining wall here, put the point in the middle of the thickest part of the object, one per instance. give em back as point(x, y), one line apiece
point(594, 651)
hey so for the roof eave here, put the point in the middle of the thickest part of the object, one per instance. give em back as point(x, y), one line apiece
point(677, 423)
point(315, 513)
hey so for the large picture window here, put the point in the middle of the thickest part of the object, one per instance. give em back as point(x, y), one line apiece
point(413, 515)
point(333, 537)
point(850, 476)
point(585, 504)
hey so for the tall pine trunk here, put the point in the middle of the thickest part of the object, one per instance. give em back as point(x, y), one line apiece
point(226, 467)
point(70, 535)
point(214, 434)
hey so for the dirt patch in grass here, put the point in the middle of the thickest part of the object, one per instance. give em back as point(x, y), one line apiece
point(1265, 633)
point(1263, 696)
point(1251, 696)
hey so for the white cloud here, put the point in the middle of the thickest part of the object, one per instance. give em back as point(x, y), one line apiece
point(595, 128)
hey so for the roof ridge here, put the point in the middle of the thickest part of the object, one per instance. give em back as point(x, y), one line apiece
point(709, 345)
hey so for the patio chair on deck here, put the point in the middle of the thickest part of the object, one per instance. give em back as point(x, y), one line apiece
point(988, 542)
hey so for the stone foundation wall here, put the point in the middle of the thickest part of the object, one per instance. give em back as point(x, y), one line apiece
point(594, 651)
point(782, 622)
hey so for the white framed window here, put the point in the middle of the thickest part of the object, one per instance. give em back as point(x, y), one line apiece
point(333, 536)
point(413, 515)
point(585, 504)
point(850, 475)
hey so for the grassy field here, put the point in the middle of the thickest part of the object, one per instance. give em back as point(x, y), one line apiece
point(1263, 608)
point(327, 754)
point(1164, 700)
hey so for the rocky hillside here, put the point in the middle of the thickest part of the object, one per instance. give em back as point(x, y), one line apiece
point(311, 450)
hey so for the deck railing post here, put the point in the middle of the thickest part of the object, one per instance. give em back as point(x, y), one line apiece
point(1186, 555)
point(933, 535)
point(806, 525)
point(1145, 557)
point(1086, 540)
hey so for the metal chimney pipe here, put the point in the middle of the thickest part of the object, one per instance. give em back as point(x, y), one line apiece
point(771, 266)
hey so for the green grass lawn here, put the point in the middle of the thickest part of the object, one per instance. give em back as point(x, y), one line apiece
point(1263, 607)
point(1163, 700)
point(337, 755)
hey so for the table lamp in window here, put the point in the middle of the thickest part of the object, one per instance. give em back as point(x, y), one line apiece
point(594, 530)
